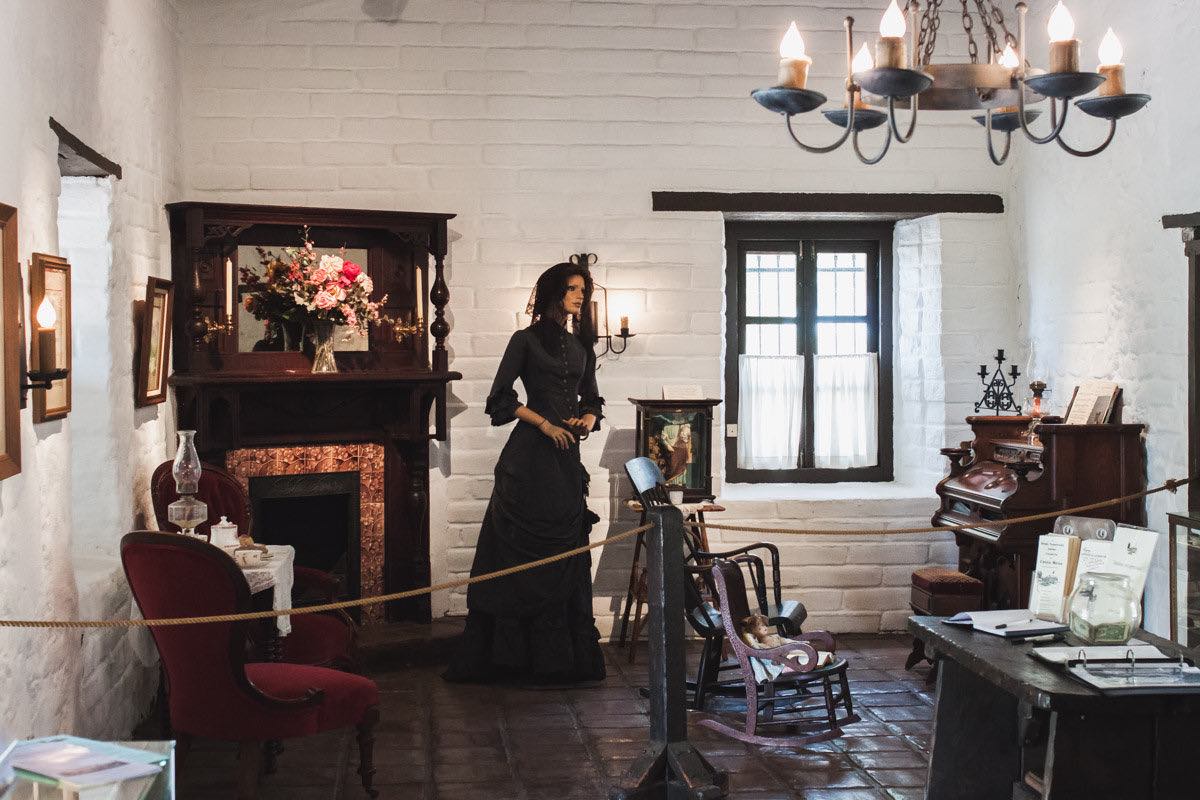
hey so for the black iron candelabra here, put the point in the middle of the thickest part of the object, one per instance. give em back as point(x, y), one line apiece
point(997, 391)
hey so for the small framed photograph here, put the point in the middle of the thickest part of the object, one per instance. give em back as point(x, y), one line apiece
point(154, 344)
point(676, 435)
point(50, 283)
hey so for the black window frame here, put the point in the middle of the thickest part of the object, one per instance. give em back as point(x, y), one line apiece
point(806, 240)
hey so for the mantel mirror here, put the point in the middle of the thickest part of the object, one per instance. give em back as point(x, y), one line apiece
point(218, 255)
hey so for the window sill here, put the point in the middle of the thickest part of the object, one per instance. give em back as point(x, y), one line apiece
point(824, 491)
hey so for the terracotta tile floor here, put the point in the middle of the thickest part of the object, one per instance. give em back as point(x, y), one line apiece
point(443, 742)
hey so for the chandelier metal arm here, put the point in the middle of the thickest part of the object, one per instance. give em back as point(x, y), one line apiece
point(1112, 131)
point(887, 143)
point(991, 147)
point(1058, 122)
point(912, 120)
point(829, 148)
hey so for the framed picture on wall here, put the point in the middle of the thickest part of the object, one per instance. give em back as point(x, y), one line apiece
point(677, 436)
point(11, 345)
point(154, 344)
point(50, 281)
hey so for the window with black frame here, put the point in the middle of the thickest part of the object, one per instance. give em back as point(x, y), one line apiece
point(808, 352)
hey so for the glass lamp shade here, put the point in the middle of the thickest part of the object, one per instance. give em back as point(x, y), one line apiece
point(1103, 609)
point(187, 467)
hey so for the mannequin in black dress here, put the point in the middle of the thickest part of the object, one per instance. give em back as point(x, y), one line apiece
point(537, 627)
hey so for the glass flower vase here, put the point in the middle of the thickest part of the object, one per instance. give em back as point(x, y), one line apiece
point(323, 360)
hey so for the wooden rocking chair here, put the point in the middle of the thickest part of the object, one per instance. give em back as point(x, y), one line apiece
point(783, 711)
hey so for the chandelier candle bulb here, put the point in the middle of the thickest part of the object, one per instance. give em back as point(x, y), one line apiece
point(890, 52)
point(862, 63)
point(47, 343)
point(1111, 67)
point(1064, 47)
point(793, 61)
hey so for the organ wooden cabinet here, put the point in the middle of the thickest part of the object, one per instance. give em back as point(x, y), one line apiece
point(1001, 475)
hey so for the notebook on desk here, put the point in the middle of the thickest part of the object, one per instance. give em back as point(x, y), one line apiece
point(1013, 623)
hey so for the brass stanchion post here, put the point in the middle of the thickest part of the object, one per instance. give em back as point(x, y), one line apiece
point(670, 768)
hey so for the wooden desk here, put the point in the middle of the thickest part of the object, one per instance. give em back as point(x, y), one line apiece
point(1000, 713)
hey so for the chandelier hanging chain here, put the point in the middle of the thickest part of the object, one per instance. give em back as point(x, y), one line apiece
point(930, 21)
point(969, 28)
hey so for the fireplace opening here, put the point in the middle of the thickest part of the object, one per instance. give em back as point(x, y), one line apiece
point(318, 515)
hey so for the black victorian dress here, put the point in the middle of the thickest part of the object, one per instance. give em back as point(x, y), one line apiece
point(535, 626)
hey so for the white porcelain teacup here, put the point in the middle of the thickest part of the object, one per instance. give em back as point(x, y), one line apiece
point(676, 497)
point(248, 556)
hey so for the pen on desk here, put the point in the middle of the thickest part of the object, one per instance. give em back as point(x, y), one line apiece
point(1041, 638)
point(1004, 625)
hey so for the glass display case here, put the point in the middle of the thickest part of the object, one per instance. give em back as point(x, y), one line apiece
point(1185, 578)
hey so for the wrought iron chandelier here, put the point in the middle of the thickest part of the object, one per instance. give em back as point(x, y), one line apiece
point(1004, 86)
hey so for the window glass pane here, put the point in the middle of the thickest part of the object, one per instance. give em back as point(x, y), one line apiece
point(771, 340)
point(770, 284)
point(841, 284)
point(841, 338)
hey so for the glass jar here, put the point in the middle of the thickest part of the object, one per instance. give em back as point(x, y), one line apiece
point(1103, 609)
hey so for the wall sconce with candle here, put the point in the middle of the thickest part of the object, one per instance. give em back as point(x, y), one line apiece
point(600, 312)
point(204, 328)
point(50, 343)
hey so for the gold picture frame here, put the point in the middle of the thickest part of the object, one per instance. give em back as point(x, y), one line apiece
point(154, 343)
point(11, 345)
point(50, 278)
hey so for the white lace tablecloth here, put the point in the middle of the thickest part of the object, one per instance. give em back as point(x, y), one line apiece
point(277, 572)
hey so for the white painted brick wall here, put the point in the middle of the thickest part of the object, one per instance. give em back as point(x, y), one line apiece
point(545, 126)
point(1105, 289)
point(107, 71)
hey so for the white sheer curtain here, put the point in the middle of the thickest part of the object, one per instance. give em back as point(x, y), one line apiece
point(846, 411)
point(770, 411)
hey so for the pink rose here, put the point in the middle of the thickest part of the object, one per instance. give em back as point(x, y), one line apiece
point(351, 317)
point(324, 300)
point(319, 275)
point(350, 270)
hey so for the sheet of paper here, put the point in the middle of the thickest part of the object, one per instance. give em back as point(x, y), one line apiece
point(1005, 616)
point(1130, 555)
point(1093, 557)
point(1085, 402)
point(1055, 566)
point(74, 764)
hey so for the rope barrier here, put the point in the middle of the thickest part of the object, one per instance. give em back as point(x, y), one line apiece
point(1171, 485)
point(362, 601)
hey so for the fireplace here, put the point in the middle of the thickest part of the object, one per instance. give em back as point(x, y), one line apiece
point(327, 502)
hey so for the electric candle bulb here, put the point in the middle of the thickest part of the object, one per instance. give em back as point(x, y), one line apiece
point(46, 316)
point(1064, 47)
point(793, 61)
point(1111, 67)
point(46, 341)
point(889, 49)
point(1111, 51)
point(863, 61)
point(792, 44)
point(892, 25)
point(1061, 26)
point(1009, 58)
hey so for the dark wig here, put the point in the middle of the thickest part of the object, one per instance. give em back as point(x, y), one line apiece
point(547, 310)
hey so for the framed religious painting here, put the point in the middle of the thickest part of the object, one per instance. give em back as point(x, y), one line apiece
point(677, 436)
point(50, 296)
point(154, 344)
point(11, 345)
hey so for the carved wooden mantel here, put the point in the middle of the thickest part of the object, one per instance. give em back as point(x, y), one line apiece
point(393, 394)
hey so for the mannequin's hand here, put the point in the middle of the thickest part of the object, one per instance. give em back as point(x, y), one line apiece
point(581, 425)
point(561, 438)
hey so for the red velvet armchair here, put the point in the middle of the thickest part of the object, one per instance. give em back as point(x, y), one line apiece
point(326, 639)
point(213, 691)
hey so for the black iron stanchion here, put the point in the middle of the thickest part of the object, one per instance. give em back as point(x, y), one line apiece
point(670, 768)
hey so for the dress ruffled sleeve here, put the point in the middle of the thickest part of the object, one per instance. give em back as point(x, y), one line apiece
point(502, 402)
point(590, 401)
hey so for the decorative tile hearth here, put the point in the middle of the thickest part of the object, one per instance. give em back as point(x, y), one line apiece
point(365, 459)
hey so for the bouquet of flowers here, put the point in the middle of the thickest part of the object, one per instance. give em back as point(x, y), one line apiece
point(301, 286)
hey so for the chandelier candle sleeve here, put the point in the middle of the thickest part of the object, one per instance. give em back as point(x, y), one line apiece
point(793, 61)
point(1111, 67)
point(47, 344)
point(228, 289)
point(1064, 47)
point(624, 326)
point(890, 52)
